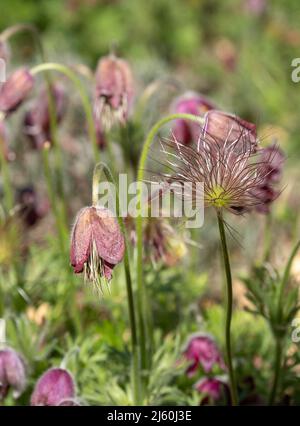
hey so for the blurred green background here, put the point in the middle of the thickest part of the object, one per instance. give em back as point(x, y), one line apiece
point(239, 52)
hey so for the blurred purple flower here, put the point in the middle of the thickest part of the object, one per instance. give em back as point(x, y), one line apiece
point(15, 90)
point(212, 387)
point(31, 208)
point(202, 350)
point(54, 388)
point(113, 92)
point(37, 122)
point(186, 131)
point(97, 243)
point(255, 7)
point(12, 373)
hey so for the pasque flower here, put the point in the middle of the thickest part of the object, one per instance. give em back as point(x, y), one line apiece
point(12, 373)
point(37, 120)
point(212, 387)
point(114, 91)
point(190, 103)
point(55, 387)
point(227, 159)
point(202, 350)
point(15, 90)
point(97, 243)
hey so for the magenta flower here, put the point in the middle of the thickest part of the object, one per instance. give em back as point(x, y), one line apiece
point(211, 387)
point(113, 92)
point(190, 103)
point(97, 243)
point(202, 350)
point(12, 373)
point(55, 387)
point(15, 90)
point(37, 120)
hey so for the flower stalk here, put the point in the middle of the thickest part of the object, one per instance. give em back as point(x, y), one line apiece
point(233, 388)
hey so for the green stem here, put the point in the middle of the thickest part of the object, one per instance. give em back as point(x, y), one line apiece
point(277, 368)
point(286, 274)
point(7, 186)
point(233, 387)
point(142, 297)
point(82, 93)
point(136, 377)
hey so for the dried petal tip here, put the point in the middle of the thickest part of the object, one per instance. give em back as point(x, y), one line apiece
point(14, 91)
point(55, 387)
point(202, 350)
point(186, 131)
point(114, 91)
point(12, 373)
point(97, 244)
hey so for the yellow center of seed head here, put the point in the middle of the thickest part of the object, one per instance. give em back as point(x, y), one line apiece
point(218, 197)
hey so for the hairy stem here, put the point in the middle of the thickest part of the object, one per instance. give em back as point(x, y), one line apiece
point(277, 369)
point(233, 387)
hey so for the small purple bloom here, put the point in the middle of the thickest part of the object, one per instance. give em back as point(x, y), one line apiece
point(186, 131)
point(202, 350)
point(12, 373)
point(55, 387)
point(211, 387)
point(15, 90)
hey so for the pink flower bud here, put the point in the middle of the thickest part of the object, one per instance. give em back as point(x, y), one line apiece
point(55, 387)
point(114, 91)
point(12, 373)
point(186, 131)
point(239, 134)
point(14, 91)
point(97, 243)
point(202, 350)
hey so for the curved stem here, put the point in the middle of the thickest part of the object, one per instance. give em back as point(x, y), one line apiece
point(286, 273)
point(277, 368)
point(142, 298)
point(82, 93)
point(233, 388)
point(136, 379)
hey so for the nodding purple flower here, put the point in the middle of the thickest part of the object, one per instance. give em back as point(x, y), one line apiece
point(202, 350)
point(97, 244)
point(12, 373)
point(113, 92)
point(37, 122)
point(226, 159)
point(31, 209)
point(15, 90)
point(212, 387)
point(272, 160)
point(186, 131)
point(55, 387)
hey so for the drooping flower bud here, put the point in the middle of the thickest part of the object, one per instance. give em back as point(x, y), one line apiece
point(231, 131)
point(31, 208)
point(113, 92)
point(37, 122)
point(15, 90)
point(97, 243)
point(186, 131)
point(55, 387)
point(212, 387)
point(12, 373)
point(202, 350)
